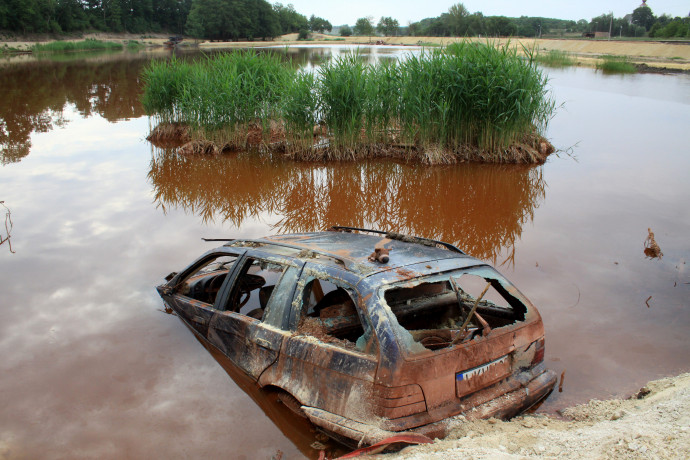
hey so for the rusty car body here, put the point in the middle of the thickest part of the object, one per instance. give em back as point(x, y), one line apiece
point(368, 334)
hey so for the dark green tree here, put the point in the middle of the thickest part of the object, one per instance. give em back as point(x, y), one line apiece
point(364, 27)
point(317, 24)
point(345, 31)
point(290, 20)
point(643, 16)
point(456, 19)
point(388, 26)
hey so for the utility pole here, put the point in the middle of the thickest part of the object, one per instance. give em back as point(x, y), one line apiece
point(610, 25)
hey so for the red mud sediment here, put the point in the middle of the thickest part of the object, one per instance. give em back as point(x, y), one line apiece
point(198, 148)
point(167, 135)
point(531, 149)
point(314, 327)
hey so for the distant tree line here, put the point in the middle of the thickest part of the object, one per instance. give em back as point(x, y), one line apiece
point(642, 22)
point(211, 19)
point(258, 19)
point(459, 22)
point(65, 16)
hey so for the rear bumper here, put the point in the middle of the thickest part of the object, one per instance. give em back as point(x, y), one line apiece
point(530, 390)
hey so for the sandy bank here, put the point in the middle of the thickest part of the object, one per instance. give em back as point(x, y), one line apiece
point(655, 426)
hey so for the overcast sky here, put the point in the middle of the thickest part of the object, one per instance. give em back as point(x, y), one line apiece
point(347, 12)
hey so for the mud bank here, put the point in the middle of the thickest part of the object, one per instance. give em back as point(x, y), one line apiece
point(532, 148)
point(657, 425)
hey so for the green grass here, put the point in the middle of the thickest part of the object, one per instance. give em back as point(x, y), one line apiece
point(85, 45)
point(555, 58)
point(616, 64)
point(438, 105)
point(5, 49)
point(133, 45)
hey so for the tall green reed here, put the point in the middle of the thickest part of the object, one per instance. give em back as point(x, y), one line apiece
point(341, 88)
point(301, 112)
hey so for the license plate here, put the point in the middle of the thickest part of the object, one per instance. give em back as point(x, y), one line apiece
point(482, 376)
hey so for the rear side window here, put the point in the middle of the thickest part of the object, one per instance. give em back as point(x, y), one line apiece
point(329, 313)
point(441, 311)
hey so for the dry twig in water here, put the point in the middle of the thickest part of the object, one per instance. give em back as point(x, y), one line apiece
point(8, 227)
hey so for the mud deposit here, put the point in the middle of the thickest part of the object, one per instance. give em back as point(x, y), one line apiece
point(92, 367)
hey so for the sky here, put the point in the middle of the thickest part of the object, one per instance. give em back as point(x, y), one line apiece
point(347, 12)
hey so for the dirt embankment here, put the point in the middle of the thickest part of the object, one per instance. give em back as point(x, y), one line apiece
point(657, 425)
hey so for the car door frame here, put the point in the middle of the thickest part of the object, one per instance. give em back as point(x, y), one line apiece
point(249, 343)
point(196, 314)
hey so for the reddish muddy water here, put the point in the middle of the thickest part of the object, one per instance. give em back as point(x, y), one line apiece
point(93, 367)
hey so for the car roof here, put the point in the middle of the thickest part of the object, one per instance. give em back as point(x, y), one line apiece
point(352, 250)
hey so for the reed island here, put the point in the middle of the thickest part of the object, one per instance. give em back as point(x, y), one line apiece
point(465, 102)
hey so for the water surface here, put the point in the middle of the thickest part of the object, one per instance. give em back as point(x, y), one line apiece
point(92, 366)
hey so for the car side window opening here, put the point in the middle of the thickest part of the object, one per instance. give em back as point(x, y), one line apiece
point(254, 287)
point(204, 283)
point(329, 313)
point(438, 312)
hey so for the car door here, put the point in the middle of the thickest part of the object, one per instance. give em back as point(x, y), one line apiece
point(330, 359)
point(249, 329)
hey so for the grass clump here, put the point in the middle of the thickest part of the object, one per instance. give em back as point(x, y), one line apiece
point(220, 97)
point(5, 49)
point(616, 64)
point(133, 45)
point(85, 45)
point(475, 96)
point(555, 58)
point(466, 101)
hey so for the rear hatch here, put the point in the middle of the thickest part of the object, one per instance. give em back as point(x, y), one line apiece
point(464, 337)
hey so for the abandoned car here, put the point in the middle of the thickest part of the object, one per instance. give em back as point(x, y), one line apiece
point(368, 334)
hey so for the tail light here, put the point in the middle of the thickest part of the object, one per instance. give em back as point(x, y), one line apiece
point(538, 352)
point(397, 402)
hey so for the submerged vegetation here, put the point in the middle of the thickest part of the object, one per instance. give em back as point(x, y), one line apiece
point(85, 45)
point(616, 64)
point(463, 102)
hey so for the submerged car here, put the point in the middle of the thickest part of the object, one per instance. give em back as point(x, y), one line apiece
point(366, 333)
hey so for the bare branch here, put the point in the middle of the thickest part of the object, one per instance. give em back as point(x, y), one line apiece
point(8, 227)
